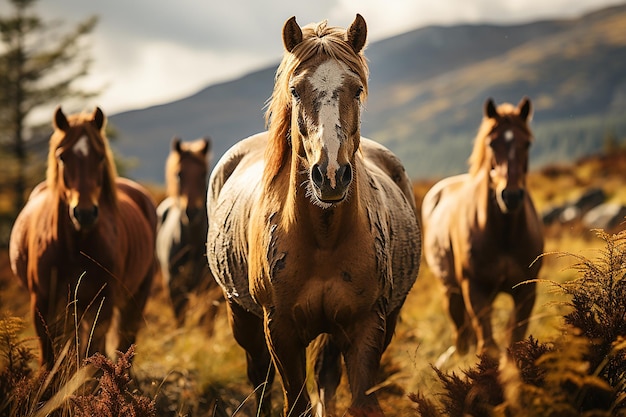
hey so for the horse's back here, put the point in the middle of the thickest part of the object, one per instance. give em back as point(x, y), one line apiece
point(437, 207)
point(238, 158)
point(387, 161)
point(233, 186)
point(394, 205)
point(138, 220)
point(439, 192)
point(163, 209)
point(21, 229)
point(141, 197)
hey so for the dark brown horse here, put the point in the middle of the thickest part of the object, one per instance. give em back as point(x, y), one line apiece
point(313, 229)
point(482, 234)
point(84, 244)
point(182, 230)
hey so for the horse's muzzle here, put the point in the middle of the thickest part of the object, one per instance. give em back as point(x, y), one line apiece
point(324, 190)
point(85, 218)
point(512, 198)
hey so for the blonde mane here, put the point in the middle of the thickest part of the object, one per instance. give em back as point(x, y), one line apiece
point(316, 39)
point(62, 140)
point(480, 157)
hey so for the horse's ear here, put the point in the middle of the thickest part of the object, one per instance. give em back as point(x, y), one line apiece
point(357, 33)
point(490, 109)
point(207, 145)
point(98, 118)
point(176, 144)
point(60, 121)
point(525, 108)
point(292, 34)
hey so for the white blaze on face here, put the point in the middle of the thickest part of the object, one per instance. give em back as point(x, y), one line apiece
point(81, 147)
point(326, 80)
point(508, 137)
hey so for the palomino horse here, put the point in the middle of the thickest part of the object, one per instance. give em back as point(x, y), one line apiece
point(84, 243)
point(182, 229)
point(482, 234)
point(313, 229)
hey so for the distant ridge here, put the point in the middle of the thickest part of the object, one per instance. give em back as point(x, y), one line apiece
point(427, 88)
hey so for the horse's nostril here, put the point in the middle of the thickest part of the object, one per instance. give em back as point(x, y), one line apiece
point(317, 176)
point(344, 175)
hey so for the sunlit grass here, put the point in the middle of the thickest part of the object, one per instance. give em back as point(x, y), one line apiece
point(189, 372)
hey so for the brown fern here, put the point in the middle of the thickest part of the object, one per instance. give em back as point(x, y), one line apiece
point(113, 398)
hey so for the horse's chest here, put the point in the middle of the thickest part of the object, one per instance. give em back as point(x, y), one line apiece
point(325, 286)
point(498, 260)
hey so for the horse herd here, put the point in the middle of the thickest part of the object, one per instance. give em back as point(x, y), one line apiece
point(310, 230)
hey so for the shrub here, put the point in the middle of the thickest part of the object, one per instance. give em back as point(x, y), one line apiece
point(580, 373)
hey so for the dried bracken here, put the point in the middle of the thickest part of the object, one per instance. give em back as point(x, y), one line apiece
point(113, 397)
point(580, 373)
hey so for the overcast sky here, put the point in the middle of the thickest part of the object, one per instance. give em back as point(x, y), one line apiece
point(149, 52)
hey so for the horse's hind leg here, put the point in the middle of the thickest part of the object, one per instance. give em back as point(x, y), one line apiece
point(248, 332)
point(327, 373)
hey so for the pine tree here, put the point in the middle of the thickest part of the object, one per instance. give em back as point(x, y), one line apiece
point(38, 67)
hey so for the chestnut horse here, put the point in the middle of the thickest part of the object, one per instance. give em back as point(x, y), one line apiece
point(182, 230)
point(84, 244)
point(313, 229)
point(482, 235)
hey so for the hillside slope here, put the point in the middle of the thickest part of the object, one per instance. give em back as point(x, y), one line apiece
point(427, 88)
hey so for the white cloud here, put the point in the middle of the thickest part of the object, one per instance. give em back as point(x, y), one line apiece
point(148, 52)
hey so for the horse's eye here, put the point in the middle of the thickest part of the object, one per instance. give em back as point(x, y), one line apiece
point(294, 93)
point(359, 91)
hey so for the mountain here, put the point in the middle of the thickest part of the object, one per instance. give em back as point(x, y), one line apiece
point(427, 89)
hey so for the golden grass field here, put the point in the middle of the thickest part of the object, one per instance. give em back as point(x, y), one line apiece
point(189, 373)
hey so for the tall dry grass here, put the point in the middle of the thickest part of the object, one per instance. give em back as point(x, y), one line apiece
point(183, 372)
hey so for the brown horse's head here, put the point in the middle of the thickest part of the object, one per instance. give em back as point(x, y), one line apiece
point(80, 167)
point(502, 147)
point(316, 105)
point(186, 173)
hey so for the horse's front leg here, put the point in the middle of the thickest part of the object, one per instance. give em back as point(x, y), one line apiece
point(464, 335)
point(363, 349)
point(44, 328)
point(524, 298)
point(478, 298)
point(131, 313)
point(289, 357)
point(248, 332)
point(327, 374)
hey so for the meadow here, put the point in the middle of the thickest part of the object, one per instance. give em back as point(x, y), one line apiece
point(187, 372)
